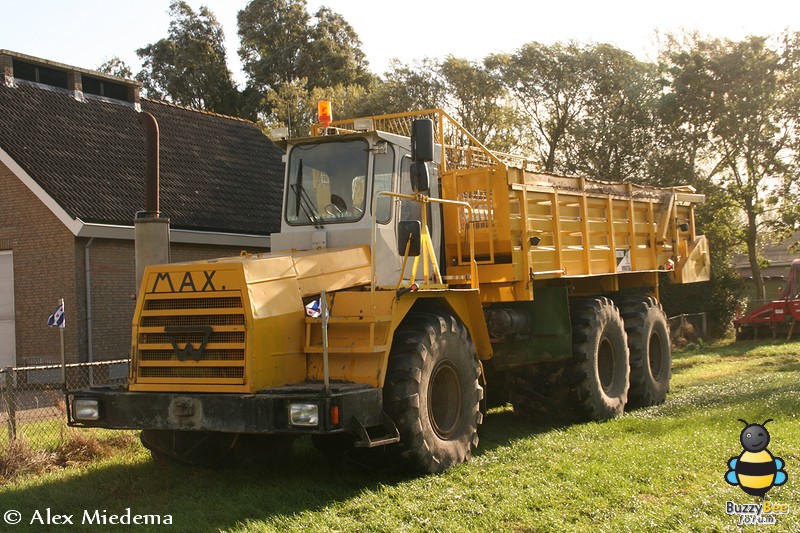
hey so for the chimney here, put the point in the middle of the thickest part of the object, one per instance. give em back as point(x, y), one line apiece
point(151, 231)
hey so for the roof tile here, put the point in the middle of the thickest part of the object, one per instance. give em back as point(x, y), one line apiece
point(217, 173)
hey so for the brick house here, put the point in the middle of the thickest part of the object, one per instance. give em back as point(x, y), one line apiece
point(72, 178)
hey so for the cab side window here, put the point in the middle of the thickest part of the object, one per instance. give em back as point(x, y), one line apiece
point(383, 172)
point(409, 210)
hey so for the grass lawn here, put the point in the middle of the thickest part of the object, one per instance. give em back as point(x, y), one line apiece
point(655, 469)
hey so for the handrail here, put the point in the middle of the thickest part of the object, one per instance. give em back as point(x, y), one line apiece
point(448, 133)
point(423, 199)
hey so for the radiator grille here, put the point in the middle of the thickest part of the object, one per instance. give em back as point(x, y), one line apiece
point(191, 339)
point(195, 320)
point(208, 355)
point(182, 373)
point(232, 302)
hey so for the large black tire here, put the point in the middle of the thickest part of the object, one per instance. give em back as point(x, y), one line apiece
point(650, 349)
point(432, 392)
point(600, 361)
point(542, 393)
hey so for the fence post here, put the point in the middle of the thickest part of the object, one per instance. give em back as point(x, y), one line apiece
point(11, 408)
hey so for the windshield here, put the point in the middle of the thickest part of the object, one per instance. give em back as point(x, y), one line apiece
point(327, 182)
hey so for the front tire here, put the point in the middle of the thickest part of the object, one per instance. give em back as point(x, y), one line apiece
point(432, 392)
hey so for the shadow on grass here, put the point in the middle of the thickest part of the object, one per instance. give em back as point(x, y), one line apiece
point(503, 427)
point(211, 500)
point(197, 499)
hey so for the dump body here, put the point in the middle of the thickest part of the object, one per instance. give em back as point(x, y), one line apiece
point(533, 226)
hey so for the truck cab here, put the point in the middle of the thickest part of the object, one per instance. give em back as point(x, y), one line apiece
point(333, 196)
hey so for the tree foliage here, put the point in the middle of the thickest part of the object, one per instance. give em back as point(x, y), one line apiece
point(333, 55)
point(738, 101)
point(116, 67)
point(189, 67)
point(716, 114)
point(272, 35)
point(548, 82)
point(295, 106)
point(612, 139)
point(478, 99)
point(281, 44)
point(408, 87)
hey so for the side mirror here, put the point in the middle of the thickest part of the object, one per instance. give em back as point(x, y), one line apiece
point(422, 148)
point(422, 140)
point(409, 234)
point(420, 177)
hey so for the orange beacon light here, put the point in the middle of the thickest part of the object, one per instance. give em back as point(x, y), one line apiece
point(324, 113)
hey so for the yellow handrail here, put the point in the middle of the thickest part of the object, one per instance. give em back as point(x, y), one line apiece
point(461, 148)
point(423, 199)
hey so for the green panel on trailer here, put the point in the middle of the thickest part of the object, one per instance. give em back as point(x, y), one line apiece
point(550, 332)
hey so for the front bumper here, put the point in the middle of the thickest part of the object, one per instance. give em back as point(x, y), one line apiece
point(348, 407)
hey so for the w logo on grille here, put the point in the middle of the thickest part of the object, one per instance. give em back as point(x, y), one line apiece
point(188, 349)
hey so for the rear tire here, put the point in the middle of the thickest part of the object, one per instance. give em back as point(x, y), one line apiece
point(600, 365)
point(650, 349)
point(432, 392)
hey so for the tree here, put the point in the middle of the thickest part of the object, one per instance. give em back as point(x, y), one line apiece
point(549, 83)
point(333, 55)
point(189, 66)
point(478, 99)
point(409, 87)
point(281, 45)
point(273, 34)
point(116, 67)
point(294, 105)
point(613, 137)
point(739, 100)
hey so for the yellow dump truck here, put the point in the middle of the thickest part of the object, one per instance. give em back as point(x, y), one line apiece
point(417, 277)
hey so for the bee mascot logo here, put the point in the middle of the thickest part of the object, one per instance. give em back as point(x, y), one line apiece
point(756, 470)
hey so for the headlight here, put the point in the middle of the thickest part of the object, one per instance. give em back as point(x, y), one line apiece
point(304, 414)
point(83, 409)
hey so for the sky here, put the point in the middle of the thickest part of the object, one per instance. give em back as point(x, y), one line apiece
point(84, 33)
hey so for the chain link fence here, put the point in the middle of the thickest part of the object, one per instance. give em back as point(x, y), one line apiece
point(32, 404)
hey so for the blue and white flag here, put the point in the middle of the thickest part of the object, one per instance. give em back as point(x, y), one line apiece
point(314, 308)
point(57, 318)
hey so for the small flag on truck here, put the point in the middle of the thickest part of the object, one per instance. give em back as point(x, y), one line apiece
point(57, 318)
point(314, 308)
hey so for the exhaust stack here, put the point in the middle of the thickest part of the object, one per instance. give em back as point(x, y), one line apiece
point(151, 231)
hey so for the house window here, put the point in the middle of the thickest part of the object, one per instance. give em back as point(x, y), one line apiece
point(109, 89)
point(46, 75)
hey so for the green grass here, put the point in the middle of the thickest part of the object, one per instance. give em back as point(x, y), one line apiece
point(655, 469)
point(49, 434)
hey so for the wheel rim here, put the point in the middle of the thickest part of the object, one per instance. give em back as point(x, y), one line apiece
point(444, 400)
point(655, 355)
point(606, 366)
